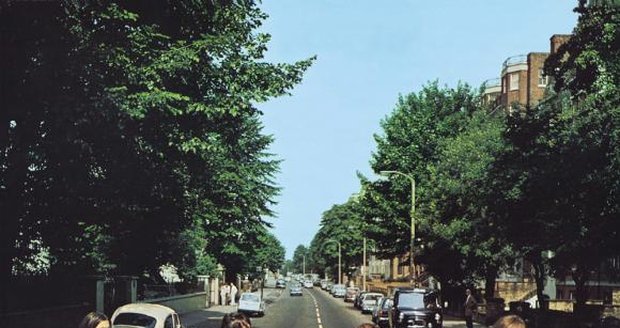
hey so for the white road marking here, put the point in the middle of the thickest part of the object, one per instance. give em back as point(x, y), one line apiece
point(318, 313)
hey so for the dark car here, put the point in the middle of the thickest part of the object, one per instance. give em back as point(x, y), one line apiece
point(415, 308)
point(358, 299)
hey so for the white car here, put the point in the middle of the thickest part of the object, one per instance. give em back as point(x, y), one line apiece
point(251, 303)
point(308, 284)
point(139, 315)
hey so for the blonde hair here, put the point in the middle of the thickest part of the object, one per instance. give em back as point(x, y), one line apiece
point(509, 321)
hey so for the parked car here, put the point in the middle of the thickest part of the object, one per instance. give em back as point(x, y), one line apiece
point(329, 286)
point(351, 294)
point(340, 291)
point(380, 314)
point(295, 290)
point(334, 287)
point(308, 284)
point(369, 301)
point(251, 303)
point(358, 299)
point(280, 283)
point(135, 315)
point(415, 308)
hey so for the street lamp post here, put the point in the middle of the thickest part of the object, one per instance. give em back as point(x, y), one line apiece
point(412, 224)
point(364, 267)
point(339, 259)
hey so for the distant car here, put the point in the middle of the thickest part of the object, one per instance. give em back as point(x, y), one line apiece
point(415, 307)
point(340, 292)
point(380, 314)
point(136, 315)
point(323, 284)
point(308, 284)
point(369, 301)
point(251, 303)
point(295, 290)
point(351, 293)
point(328, 286)
point(280, 283)
point(334, 287)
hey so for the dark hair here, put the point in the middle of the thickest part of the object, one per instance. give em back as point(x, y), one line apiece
point(236, 320)
point(92, 319)
point(367, 325)
point(509, 321)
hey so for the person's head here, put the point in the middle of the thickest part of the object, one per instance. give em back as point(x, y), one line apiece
point(95, 320)
point(367, 325)
point(236, 320)
point(468, 291)
point(509, 321)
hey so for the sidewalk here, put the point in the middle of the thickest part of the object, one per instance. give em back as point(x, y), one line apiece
point(212, 317)
point(207, 318)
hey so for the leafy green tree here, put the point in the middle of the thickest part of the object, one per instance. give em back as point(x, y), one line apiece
point(131, 135)
point(458, 215)
point(411, 143)
point(298, 258)
point(341, 223)
point(268, 254)
point(560, 175)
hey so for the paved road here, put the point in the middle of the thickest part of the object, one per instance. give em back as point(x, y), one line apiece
point(315, 309)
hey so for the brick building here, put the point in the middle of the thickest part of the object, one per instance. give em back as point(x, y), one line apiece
point(522, 80)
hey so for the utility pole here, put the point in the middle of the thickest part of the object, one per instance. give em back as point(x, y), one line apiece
point(364, 267)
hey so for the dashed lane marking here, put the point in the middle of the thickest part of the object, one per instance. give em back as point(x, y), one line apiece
point(318, 312)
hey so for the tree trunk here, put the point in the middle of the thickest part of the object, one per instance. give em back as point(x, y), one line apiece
point(580, 276)
point(489, 284)
point(539, 276)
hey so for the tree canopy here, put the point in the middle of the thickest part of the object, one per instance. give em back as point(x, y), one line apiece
point(131, 138)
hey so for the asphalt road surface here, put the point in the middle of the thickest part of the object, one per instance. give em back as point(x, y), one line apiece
point(315, 309)
point(318, 309)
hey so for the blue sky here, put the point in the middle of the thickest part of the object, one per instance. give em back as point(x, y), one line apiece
point(368, 53)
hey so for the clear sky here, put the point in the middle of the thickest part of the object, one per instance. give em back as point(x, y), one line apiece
point(369, 52)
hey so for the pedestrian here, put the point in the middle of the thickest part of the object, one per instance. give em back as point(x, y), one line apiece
point(95, 320)
point(470, 308)
point(233, 293)
point(509, 321)
point(236, 320)
point(223, 294)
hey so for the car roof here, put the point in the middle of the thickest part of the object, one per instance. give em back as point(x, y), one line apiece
point(158, 311)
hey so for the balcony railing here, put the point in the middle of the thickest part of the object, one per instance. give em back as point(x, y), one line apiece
point(514, 60)
point(491, 83)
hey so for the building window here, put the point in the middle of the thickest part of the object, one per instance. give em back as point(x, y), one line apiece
point(504, 81)
point(542, 78)
point(514, 81)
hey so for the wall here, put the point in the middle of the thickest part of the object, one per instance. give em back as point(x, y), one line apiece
point(56, 317)
point(514, 291)
point(183, 303)
point(535, 61)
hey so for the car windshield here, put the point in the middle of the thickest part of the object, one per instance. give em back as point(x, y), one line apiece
point(411, 300)
point(134, 320)
point(249, 298)
point(372, 297)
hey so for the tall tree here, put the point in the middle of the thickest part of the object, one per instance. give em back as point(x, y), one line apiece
point(130, 132)
point(411, 143)
point(299, 256)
